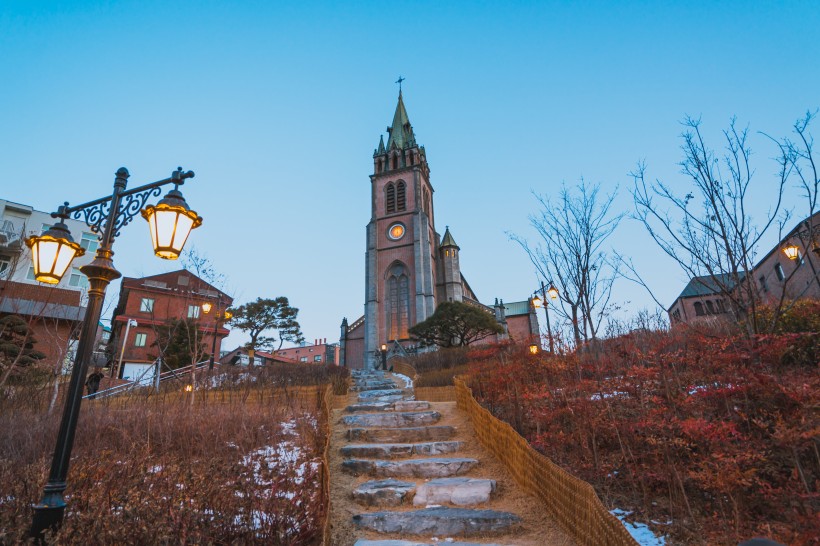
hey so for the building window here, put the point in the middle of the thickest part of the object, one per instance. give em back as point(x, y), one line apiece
point(147, 305)
point(763, 284)
point(302, 359)
point(391, 198)
point(778, 270)
point(30, 274)
point(44, 228)
point(139, 340)
point(699, 309)
point(89, 242)
point(5, 267)
point(317, 358)
point(710, 307)
point(398, 302)
point(676, 315)
point(77, 278)
point(193, 311)
point(401, 197)
point(721, 306)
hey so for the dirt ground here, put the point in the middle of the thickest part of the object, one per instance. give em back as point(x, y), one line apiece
point(536, 529)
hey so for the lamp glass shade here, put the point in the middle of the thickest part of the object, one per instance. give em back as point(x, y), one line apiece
point(552, 291)
point(792, 252)
point(533, 349)
point(536, 302)
point(228, 315)
point(384, 347)
point(52, 253)
point(206, 307)
point(170, 226)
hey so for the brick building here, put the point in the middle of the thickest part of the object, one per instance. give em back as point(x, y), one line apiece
point(774, 277)
point(320, 352)
point(155, 301)
point(55, 312)
point(409, 267)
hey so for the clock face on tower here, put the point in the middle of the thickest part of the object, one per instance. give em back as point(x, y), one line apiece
point(396, 231)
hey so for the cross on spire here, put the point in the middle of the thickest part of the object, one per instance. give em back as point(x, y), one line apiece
point(399, 82)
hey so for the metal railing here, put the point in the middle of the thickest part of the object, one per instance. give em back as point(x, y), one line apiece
point(139, 382)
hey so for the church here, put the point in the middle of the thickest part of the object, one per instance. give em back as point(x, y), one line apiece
point(409, 266)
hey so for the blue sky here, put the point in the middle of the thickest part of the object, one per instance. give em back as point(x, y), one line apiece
point(278, 106)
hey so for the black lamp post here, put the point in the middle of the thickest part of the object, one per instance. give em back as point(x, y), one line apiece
point(538, 302)
point(170, 221)
point(383, 353)
point(219, 318)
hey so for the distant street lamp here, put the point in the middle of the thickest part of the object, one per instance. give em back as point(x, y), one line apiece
point(219, 318)
point(538, 302)
point(383, 353)
point(170, 221)
point(533, 348)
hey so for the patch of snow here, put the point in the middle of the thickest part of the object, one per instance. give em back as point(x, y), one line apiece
point(609, 395)
point(642, 534)
point(154, 469)
point(408, 383)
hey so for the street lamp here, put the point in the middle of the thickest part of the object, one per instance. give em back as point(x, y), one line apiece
point(220, 317)
point(52, 253)
point(791, 251)
point(533, 348)
point(538, 302)
point(383, 353)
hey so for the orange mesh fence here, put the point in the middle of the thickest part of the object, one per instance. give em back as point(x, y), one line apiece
point(402, 367)
point(327, 400)
point(571, 502)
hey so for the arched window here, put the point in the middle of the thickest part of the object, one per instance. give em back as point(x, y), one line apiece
point(398, 301)
point(710, 307)
point(401, 198)
point(699, 309)
point(395, 161)
point(391, 198)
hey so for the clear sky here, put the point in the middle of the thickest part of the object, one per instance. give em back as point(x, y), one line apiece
point(278, 107)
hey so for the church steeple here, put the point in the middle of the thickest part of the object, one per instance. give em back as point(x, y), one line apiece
point(448, 241)
point(401, 132)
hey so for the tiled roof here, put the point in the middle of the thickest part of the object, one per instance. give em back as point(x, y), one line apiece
point(707, 285)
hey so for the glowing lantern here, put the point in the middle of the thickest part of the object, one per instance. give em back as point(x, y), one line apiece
point(52, 253)
point(206, 307)
point(536, 302)
point(170, 222)
point(533, 349)
point(552, 291)
point(792, 252)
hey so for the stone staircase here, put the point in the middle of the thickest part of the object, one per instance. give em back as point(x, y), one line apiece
point(411, 487)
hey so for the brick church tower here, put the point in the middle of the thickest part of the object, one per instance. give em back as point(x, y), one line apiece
point(402, 244)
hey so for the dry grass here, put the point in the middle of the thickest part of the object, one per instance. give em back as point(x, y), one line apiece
point(158, 470)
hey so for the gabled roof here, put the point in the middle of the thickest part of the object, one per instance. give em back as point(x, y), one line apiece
point(516, 308)
point(708, 285)
point(401, 132)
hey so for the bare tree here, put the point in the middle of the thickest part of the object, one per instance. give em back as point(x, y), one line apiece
point(571, 253)
point(706, 227)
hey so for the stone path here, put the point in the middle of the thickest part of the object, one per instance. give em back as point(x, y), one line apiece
point(409, 473)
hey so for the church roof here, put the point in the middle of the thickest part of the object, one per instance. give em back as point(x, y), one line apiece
point(401, 132)
point(448, 240)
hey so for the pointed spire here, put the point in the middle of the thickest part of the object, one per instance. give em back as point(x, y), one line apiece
point(447, 240)
point(401, 132)
point(381, 145)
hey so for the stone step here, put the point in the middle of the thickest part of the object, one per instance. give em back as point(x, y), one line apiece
point(402, 419)
point(400, 405)
point(370, 395)
point(437, 467)
point(388, 451)
point(366, 542)
point(402, 435)
point(381, 385)
point(383, 492)
point(458, 491)
point(437, 521)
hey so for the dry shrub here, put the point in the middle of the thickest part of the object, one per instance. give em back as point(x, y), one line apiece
point(158, 470)
point(715, 434)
